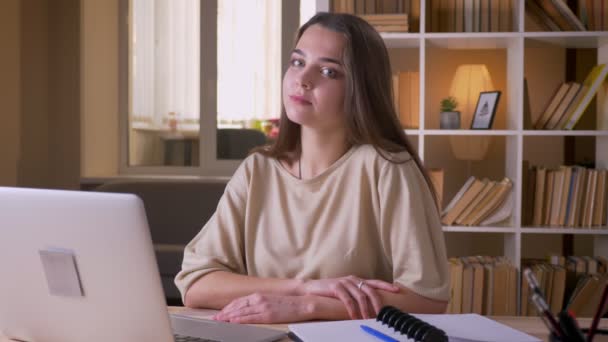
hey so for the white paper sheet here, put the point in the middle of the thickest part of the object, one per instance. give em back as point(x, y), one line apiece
point(459, 328)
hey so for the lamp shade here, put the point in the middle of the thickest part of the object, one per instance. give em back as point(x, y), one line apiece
point(469, 80)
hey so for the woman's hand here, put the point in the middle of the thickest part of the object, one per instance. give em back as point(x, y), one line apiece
point(261, 308)
point(358, 295)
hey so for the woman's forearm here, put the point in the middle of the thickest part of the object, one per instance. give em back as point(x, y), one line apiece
point(215, 290)
point(327, 308)
point(411, 302)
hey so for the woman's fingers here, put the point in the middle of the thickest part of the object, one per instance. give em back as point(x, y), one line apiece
point(356, 292)
point(344, 296)
point(382, 285)
point(373, 297)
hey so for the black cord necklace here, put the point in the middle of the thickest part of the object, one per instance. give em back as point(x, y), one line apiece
point(300, 167)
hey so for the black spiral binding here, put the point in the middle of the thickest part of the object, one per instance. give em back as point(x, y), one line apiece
point(411, 326)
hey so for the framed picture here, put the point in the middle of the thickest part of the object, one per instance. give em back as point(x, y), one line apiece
point(485, 110)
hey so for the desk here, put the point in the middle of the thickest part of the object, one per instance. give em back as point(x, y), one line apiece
point(529, 325)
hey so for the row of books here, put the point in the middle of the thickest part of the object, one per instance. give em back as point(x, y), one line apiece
point(406, 90)
point(556, 15)
point(388, 22)
point(573, 282)
point(570, 101)
point(568, 196)
point(383, 10)
point(471, 15)
point(480, 202)
point(483, 285)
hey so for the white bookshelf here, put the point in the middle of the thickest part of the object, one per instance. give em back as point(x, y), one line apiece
point(510, 57)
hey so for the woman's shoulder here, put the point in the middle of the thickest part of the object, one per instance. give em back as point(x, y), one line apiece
point(383, 156)
point(256, 161)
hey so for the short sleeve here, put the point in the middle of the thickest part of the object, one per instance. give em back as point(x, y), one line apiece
point(411, 231)
point(219, 245)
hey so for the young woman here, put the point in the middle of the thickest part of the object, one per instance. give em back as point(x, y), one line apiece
point(337, 218)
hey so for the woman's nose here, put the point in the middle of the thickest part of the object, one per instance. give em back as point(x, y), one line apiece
point(304, 79)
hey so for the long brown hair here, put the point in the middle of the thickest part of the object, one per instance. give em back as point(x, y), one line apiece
point(371, 117)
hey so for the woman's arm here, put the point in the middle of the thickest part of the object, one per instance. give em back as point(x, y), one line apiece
point(217, 289)
point(411, 302)
point(235, 293)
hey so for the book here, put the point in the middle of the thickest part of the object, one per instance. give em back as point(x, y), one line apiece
point(457, 327)
point(560, 15)
point(572, 107)
point(506, 16)
point(437, 176)
point(600, 194)
point(476, 202)
point(499, 207)
point(458, 195)
point(456, 270)
point(540, 16)
point(565, 11)
point(539, 194)
point(563, 106)
point(552, 105)
point(461, 205)
point(593, 81)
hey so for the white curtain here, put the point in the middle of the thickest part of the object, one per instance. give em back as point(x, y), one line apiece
point(249, 59)
point(165, 63)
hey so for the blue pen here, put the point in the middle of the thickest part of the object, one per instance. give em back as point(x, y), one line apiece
point(378, 334)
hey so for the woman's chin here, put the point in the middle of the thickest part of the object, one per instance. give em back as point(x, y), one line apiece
point(299, 117)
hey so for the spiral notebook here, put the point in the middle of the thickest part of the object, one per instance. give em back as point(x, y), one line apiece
point(457, 328)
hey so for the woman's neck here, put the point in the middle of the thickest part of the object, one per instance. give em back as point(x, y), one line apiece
point(320, 151)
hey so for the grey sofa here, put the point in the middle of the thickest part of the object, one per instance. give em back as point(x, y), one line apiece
point(176, 211)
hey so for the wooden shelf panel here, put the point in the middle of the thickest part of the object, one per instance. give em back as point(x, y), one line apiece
point(462, 229)
point(396, 40)
point(565, 133)
point(575, 231)
point(499, 132)
point(472, 41)
point(579, 40)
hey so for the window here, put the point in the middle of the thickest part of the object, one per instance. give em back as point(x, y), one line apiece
point(204, 81)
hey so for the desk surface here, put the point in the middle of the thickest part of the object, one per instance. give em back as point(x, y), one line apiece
point(529, 325)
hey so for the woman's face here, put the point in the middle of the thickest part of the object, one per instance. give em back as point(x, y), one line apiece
point(314, 84)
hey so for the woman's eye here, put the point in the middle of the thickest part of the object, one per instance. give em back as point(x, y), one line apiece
point(329, 72)
point(296, 62)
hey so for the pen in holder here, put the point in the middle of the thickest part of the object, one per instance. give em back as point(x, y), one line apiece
point(566, 328)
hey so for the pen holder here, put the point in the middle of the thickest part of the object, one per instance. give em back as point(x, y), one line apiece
point(555, 338)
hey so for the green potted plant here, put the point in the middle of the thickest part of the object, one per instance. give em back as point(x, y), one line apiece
point(449, 117)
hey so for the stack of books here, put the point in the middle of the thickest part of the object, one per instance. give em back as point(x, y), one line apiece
point(569, 196)
point(556, 15)
point(397, 22)
point(483, 285)
point(479, 202)
point(573, 282)
point(570, 101)
point(384, 15)
point(470, 15)
point(406, 90)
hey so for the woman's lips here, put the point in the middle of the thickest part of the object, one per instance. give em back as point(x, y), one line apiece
point(299, 100)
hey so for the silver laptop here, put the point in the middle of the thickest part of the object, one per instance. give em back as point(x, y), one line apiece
point(80, 266)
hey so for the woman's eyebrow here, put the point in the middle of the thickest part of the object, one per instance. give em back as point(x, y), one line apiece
point(324, 59)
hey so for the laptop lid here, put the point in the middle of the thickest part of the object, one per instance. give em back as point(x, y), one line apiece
point(80, 266)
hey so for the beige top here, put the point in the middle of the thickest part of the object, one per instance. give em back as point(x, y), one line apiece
point(363, 216)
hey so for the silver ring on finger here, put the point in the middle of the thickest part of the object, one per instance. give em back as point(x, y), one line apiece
point(360, 285)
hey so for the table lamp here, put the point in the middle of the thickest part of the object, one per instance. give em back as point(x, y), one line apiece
point(469, 80)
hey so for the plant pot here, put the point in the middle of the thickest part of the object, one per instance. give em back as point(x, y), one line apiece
point(449, 120)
